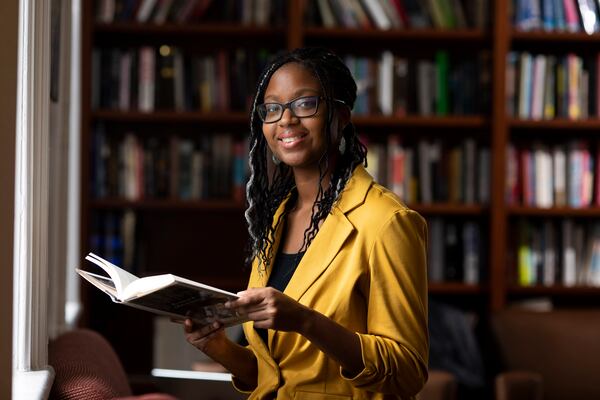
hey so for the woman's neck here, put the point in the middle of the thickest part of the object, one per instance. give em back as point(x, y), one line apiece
point(307, 184)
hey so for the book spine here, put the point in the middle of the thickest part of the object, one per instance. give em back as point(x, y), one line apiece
point(377, 14)
point(571, 17)
point(442, 68)
point(146, 79)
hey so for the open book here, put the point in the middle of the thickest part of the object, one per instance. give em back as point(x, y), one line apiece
point(163, 294)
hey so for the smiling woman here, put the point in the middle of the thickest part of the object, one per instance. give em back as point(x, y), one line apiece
point(337, 293)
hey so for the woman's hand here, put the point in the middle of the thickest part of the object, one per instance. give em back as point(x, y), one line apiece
point(208, 339)
point(212, 341)
point(271, 309)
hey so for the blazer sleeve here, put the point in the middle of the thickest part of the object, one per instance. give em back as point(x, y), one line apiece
point(395, 348)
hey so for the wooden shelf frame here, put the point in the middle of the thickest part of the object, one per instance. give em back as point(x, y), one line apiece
point(500, 38)
point(556, 290)
point(417, 35)
point(555, 37)
point(456, 288)
point(560, 212)
point(592, 125)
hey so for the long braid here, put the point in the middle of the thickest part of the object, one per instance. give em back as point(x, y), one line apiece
point(265, 192)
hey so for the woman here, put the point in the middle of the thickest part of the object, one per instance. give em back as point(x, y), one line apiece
point(337, 293)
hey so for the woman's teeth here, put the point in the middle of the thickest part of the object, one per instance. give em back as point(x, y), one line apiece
point(290, 139)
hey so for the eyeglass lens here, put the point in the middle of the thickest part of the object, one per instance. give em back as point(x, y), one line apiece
point(300, 108)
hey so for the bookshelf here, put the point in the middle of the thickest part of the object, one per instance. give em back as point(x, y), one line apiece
point(566, 135)
point(172, 230)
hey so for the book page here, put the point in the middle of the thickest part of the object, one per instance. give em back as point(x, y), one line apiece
point(101, 282)
point(145, 285)
point(182, 300)
point(120, 277)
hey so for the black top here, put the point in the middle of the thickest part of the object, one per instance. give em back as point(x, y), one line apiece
point(284, 267)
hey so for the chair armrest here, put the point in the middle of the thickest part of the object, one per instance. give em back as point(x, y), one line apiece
point(519, 385)
point(441, 385)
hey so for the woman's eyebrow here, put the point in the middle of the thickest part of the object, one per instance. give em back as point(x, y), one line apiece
point(295, 95)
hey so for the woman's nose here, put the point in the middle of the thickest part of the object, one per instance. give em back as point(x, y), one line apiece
point(287, 117)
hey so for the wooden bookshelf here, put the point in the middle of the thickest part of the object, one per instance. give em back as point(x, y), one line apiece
point(553, 131)
point(493, 128)
point(452, 288)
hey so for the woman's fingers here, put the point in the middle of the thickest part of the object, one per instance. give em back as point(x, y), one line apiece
point(251, 298)
point(195, 333)
point(188, 326)
point(203, 341)
point(204, 334)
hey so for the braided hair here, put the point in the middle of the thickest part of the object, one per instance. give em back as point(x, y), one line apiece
point(270, 184)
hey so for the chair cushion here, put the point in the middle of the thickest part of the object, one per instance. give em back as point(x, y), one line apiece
point(86, 367)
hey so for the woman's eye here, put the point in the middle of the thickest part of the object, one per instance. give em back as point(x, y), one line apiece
point(271, 108)
point(306, 103)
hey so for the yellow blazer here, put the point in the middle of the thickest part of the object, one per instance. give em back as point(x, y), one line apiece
point(366, 270)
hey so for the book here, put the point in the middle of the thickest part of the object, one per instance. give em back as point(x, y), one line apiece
point(164, 294)
point(377, 13)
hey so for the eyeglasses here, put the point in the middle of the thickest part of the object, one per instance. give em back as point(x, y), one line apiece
point(301, 107)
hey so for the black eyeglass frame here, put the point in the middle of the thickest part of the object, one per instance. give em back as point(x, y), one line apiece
point(288, 105)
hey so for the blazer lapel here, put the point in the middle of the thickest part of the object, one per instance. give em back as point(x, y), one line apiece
point(331, 237)
point(333, 233)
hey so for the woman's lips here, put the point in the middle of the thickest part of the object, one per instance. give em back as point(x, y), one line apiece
point(291, 141)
